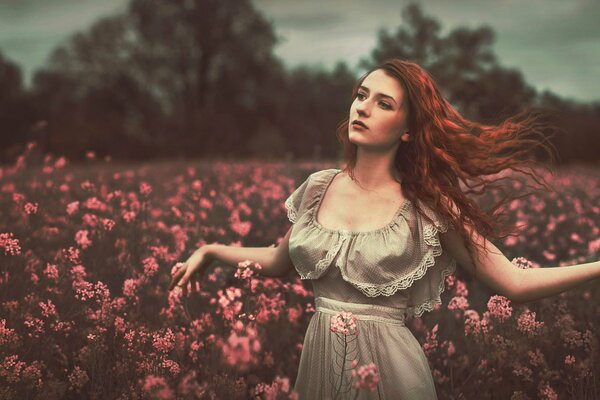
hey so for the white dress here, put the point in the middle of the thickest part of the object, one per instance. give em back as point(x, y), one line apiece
point(382, 276)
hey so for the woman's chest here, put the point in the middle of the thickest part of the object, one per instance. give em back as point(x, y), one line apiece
point(356, 213)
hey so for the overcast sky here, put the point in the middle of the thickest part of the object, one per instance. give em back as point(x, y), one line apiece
point(555, 43)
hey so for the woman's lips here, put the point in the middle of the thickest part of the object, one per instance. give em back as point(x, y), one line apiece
point(358, 126)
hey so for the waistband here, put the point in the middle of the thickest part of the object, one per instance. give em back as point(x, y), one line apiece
point(365, 312)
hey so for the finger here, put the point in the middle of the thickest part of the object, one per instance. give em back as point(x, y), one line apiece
point(183, 282)
point(177, 277)
point(173, 281)
point(197, 282)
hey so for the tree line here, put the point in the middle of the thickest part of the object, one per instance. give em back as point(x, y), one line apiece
point(198, 78)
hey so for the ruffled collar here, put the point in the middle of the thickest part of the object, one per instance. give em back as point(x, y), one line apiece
point(406, 254)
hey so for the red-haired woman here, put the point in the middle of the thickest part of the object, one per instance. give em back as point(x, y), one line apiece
point(378, 237)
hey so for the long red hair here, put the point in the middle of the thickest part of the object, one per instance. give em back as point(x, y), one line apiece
point(446, 149)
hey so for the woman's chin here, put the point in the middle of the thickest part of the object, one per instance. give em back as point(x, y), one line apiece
point(355, 136)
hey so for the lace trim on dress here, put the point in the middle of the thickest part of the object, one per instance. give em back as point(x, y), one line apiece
point(431, 238)
point(291, 210)
point(429, 305)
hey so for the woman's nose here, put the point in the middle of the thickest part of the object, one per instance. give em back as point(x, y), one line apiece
point(362, 108)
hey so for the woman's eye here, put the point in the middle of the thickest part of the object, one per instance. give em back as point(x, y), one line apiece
point(385, 105)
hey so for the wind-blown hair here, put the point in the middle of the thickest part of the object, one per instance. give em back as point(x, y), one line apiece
point(445, 149)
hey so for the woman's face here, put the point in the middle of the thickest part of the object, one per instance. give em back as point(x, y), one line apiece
point(380, 104)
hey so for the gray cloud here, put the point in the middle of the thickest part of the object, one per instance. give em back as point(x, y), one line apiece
point(555, 43)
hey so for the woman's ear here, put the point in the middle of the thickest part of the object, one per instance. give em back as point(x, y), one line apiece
point(405, 137)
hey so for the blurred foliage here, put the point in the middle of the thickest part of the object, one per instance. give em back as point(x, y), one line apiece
point(198, 78)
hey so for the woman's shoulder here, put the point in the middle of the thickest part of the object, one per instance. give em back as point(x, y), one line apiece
point(325, 173)
point(321, 177)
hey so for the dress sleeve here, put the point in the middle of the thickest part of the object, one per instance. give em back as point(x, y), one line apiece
point(435, 266)
point(296, 202)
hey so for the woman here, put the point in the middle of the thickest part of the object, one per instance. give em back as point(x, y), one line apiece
point(377, 238)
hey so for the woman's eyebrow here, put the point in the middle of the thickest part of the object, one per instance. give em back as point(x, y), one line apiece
point(381, 94)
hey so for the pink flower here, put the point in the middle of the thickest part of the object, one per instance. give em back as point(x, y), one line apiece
point(72, 207)
point(473, 324)
point(94, 204)
point(172, 367)
point(7, 335)
point(576, 238)
point(451, 348)
point(156, 387)
point(60, 163)
point(10, 245)
point(536, 358)
point(594, 246)
point(90, 220)
point(548, 393)
point(241, 228)
point(196, 185)
point(10, 368)
point(367, 376)
point(549, 255)
point(527, 324)
point(73, 255)
point(145, 189)
point(569, 360)
point(294, 314)
point(189, 387)
point(18, 198)
point(525, 373)
point(78, 378)
point(150, 266)
point(33, 373)
point(48, 309)
point(108, 224)
point(519, 395)
point(280, 385)
point(81, 237)
point(461, 289)
point(240, 351)
point(78, 273)
point(431, 342)
point(458, 302)
point(130, 287)
point(344, 323)
point(245, 270)
point(269, 307)
point(499, 307)
point(206, 203)
point(87, 291)
point(51, 271)
point(31, 208)
point(128, 216)
point(164, 344)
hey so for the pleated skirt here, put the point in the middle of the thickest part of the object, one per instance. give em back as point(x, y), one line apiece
point(326, 362)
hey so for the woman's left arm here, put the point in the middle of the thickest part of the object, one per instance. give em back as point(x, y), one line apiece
point(519, 285)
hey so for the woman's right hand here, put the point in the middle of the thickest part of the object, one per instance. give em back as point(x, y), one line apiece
point(191, 271)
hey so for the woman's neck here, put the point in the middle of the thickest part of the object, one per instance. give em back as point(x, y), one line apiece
point(374, 171)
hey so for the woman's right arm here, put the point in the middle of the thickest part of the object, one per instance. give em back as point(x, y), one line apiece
point(275, 261)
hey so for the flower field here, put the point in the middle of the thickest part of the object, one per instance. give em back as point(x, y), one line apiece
point(87, 251)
